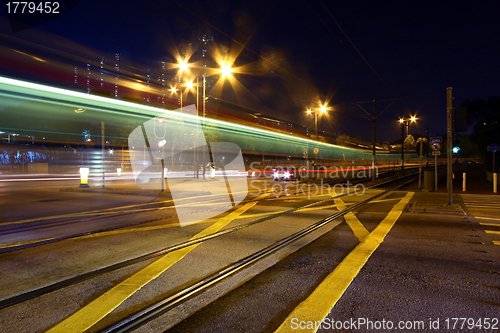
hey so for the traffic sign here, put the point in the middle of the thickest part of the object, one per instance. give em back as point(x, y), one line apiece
point(436, 144)
point(494, 147)
point(316, 151)
point(436, 153)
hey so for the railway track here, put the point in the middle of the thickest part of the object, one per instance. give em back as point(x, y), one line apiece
point(156, 309)
point(40, 223)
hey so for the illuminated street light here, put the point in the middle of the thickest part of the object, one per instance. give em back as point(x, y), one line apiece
point(173, 90)
point(183, 66)
point(322, 109)
point(404, 122)
point(226, 69)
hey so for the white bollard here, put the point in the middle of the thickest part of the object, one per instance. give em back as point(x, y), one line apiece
point(464, 183)
point(84, 177)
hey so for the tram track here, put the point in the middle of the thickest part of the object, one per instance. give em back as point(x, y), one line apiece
point(95, 273)
point(39, 223)
point(155, 310)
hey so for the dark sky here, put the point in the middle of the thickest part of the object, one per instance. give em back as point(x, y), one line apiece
point(345, 51)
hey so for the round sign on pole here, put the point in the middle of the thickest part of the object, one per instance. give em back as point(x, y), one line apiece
point(436, 146)
point(316, 151)
point(494, 147)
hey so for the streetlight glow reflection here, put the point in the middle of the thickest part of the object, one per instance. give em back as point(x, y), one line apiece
point(226, 69)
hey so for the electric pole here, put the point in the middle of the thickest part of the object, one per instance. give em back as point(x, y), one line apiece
point(373, 117)
point(449, 138)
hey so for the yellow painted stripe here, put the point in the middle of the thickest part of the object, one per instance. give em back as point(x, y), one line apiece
point(7, 245)
point(496, 242)
point(111, 210)
point(93, 312)
point(319, 304)
point(492, 232)
point(316, 208)
point(260, 214)
point(156, 227)
point(357, 228)
point(85, 213)
point(487, 218)
point(490, 224)
point(384, 200)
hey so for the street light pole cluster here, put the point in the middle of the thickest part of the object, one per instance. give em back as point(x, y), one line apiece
point(183, 66)
point(320, 110)
point(405, 123)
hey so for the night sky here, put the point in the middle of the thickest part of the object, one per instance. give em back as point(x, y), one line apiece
point(299, 51)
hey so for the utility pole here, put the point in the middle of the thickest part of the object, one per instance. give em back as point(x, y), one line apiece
point(103, 144)
point(373, 117)
point(204, 114)
point(402, 146)
point(449, 138)
point(427, 150)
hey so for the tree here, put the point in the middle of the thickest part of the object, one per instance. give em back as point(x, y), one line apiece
point(410, 142)
point(343, 139)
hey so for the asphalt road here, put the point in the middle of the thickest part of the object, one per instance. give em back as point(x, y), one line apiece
point(430, 269)
point(433, 264)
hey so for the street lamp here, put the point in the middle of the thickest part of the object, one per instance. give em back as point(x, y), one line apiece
point(405, 122)
point(226, 69)
point(173, 90)
point(321, 110)
point(183, 65)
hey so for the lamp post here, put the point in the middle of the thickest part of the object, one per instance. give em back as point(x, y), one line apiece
point(225, 70)
point(322, 109)
point(405, 122)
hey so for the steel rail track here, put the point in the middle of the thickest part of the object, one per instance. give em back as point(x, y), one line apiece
point(153, 311)
point(92, 274)
point(108, 212)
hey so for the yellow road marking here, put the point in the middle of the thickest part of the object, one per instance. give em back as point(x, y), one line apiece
point(486, 218)
point(157, 227)
point(7, 245)
point(93, 312)
point(496, 242)
point(492, 232)
point(319, 304)
point(384, 200)
point(316, 208)
point(110, 210)
point(357, 228)
point(490, 224)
